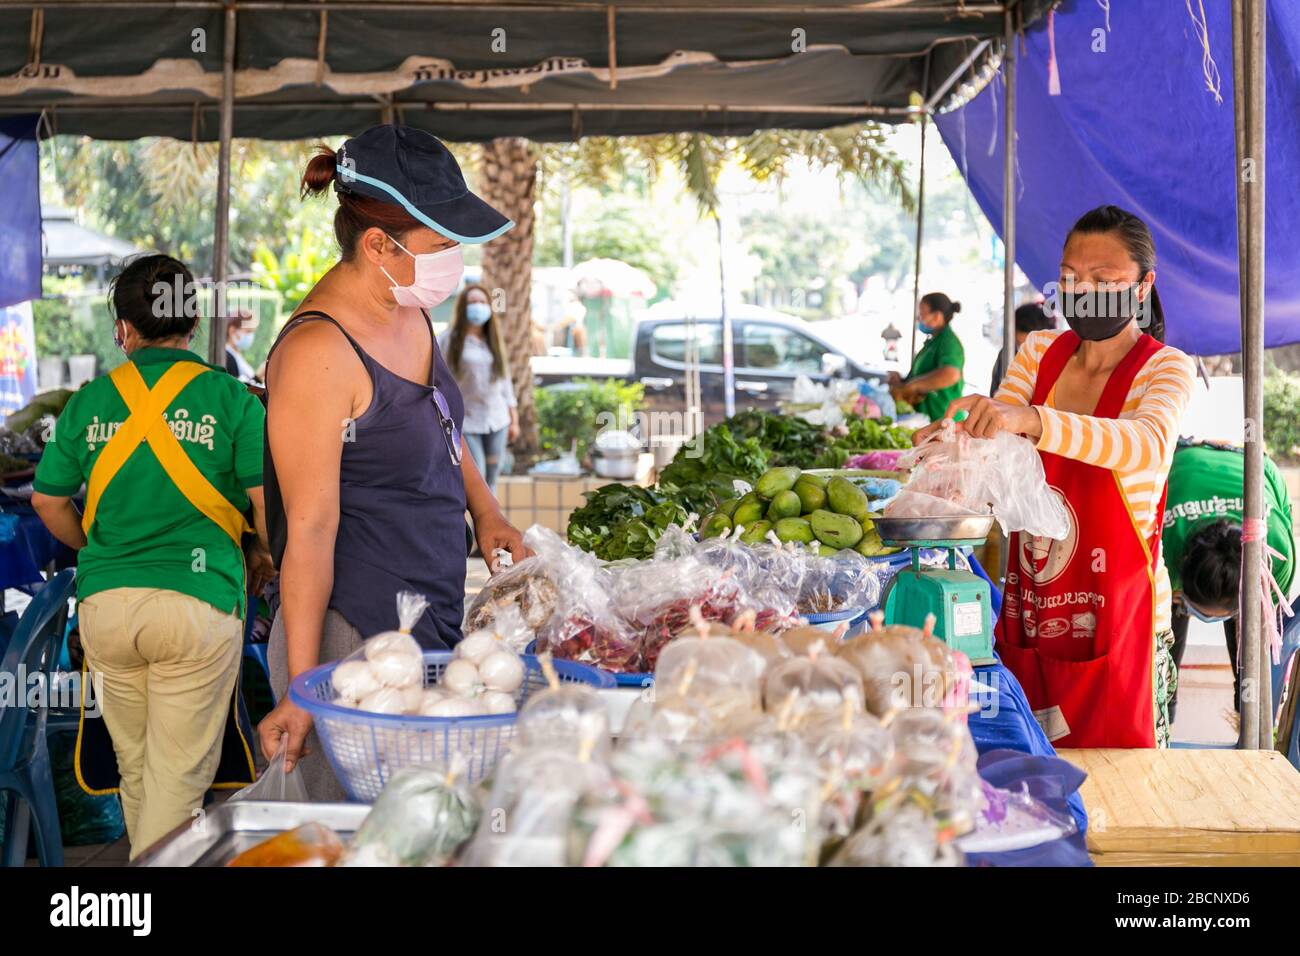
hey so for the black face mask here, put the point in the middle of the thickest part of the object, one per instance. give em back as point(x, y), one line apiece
point(1096, 315)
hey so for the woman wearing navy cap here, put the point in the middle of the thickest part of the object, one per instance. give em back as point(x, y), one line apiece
point(367, 478)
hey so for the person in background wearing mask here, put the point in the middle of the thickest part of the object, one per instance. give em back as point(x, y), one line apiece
point(477, 358)
point(1085, 623)
point(240, 329)
point(170, 451)
point(367, 476)
point(935, 378)
point(1030, 317)
point(1201, 542)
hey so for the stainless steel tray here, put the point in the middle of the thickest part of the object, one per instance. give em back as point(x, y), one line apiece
point(946, 529)
point(226, 830)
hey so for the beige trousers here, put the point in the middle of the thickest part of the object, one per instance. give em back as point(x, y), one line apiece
point(168, 663)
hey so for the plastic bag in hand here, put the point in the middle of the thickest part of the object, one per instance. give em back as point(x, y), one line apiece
point(276, 783)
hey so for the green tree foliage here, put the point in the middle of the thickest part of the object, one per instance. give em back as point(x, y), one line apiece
point(621, 228)
point(572, 412)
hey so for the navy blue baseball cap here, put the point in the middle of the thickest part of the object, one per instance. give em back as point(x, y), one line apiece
point(412, 168)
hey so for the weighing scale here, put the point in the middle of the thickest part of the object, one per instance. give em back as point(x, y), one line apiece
point(961, 601)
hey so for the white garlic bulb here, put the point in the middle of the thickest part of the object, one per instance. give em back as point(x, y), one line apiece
point(477, 646)
point(429, 697)
point(498, 703)
point(386, 700)
point(461, 677)
point(457, 707)
point(354, 679)
point(502, 671)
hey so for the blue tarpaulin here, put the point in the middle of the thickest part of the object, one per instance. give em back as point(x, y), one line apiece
point(1136, 125)
point(20, 213)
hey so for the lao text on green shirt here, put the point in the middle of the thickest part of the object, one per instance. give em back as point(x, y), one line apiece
point(1206, 484)
point(146, 533)
point(940, 350)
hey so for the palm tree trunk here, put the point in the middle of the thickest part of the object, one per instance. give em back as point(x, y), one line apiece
point(507, 178)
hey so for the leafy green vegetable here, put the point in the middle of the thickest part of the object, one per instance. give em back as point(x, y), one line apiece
point(622, 521)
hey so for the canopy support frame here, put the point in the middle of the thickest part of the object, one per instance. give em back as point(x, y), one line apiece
point(1009, 191)
point(221, 226)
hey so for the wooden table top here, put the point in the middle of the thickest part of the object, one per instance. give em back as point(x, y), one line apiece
point(1190, 807)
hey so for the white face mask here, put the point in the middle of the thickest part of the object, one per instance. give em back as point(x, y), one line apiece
point(437, 275)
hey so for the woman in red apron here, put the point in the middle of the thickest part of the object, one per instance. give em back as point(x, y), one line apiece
point(1085, 623)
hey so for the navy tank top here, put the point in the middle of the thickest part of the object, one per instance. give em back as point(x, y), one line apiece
point(401, 504)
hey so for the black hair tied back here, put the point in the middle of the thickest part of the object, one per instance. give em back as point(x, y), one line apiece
point(158, 295)
point(1212, 564)
point(938, 302)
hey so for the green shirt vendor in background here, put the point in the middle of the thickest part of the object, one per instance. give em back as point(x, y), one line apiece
point(935, 378)
point(169, 449)
point(1201, 545)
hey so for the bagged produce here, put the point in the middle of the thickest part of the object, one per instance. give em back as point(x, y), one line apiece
point(810, 687)
point(527, 816)
point(901, 666)
point(528, 586)
point(421, 818)
point(935, 763)
point(720, 674)
point(902, 835)
point(566, 715)
point(312, 844)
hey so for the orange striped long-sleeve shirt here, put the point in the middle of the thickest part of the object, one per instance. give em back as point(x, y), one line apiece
point(1138, 446)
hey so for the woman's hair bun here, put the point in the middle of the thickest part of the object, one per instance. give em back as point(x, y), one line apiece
point(956, 307)
point(320, 172)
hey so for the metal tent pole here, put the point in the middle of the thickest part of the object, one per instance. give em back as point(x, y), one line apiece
point(1248, 22)
point(1009, 191)
point(920, 221)
point(728, 337)
point(221, 237)
point(920, 225)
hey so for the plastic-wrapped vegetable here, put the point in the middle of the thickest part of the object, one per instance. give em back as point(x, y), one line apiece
point(312, 844)
point(935, 761)
point(420, 819)
point(901, 666)
point(817, 685)
point(527, 816)
point(528, 585)
point(385, 674)
point(563, 715)
point(721, 674)
point(901, 836)
point(801, 640)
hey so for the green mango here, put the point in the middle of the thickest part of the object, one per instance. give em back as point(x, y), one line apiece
point(869, 545)
point(811, 495)
point(714, 525)
point(747, 512)
point(846, 498)
point(818, 480)
point(786, 504)
point(826, 551)
point(839, 531)
point(729, 506)
point(776, 480)
point(755, 533)
point(795, 529)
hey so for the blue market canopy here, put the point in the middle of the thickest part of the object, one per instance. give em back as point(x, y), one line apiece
point(1144, 120)
point(467, 70)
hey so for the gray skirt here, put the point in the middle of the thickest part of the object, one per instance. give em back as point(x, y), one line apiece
point(338, 639)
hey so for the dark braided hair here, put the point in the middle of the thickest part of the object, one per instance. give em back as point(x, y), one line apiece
point(1135, 235)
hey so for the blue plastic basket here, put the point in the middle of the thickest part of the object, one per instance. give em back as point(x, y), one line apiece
point(367, 749)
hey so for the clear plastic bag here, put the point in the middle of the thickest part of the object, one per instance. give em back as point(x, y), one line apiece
point(421, 818)
point(902, 835)
point(901, 667)
point(586, 625)
point(528, 585)
point(312, 844)
point(1003, 474)
point(720, 674)
point(386, 674)
point(564, 715)
point(808, 688)
point(527, 816)
point(935, 761)
point(1014, 820)
point(276, 783)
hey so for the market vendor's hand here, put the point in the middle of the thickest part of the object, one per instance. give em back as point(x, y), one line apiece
point(495, 532)
point(985, 417)
point(261, 568)
point(286, 719)
point(894, 379)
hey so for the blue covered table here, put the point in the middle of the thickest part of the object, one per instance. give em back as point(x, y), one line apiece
point(28, 549)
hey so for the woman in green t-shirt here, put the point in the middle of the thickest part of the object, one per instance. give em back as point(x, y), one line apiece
point(935, 378)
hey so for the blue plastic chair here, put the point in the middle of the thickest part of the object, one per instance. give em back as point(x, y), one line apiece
point(256, 649)
point(26, 783)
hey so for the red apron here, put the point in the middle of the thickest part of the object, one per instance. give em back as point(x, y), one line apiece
point(1078, 617)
